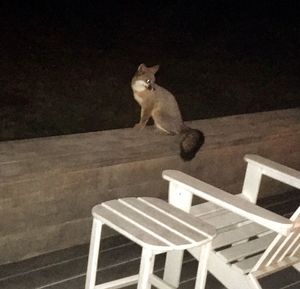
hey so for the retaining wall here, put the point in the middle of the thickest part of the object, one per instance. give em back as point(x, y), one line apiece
point(49, 185)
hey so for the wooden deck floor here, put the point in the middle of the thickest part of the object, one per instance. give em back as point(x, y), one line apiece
point(65, 269)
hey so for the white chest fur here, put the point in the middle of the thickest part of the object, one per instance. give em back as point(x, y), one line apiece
point(138, 86)
point(137, 97)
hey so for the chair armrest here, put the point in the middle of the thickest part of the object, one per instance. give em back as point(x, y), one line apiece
point(230, 202)
point(275, 170)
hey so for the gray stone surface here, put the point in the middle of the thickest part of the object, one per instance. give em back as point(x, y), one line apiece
point(49, 185)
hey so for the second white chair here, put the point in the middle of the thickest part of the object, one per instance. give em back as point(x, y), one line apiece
point(251, 241)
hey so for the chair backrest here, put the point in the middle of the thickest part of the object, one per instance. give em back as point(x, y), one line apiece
point(258, 166)
point(283, 251)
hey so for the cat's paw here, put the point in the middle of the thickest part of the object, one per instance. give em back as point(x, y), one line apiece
point(138, 126)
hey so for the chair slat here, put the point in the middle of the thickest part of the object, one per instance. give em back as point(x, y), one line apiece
point(278, 251)
point(247, 248)
point(288, 242)
point(205, 208)
point(246, 265)
point(164, 218)
point(281, 248)
point(185, 218)
point(263, 271)
point(296, 251)
point(145, 223)
point(127, 228)
point(224, 220)
point(238, 234)
point(271, 250)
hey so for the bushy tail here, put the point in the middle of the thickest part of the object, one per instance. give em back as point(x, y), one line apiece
point(191, 142)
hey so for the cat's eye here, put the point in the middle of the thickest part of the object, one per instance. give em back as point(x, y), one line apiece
point(148, 81)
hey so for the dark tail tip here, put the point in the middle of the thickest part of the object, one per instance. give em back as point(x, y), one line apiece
point(191, 143)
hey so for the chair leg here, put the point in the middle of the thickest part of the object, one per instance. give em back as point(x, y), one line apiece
point(181, 199)
point(146, 269)
point(202, 266)
point(253, 282)
point(93, 255)
point(173, 267)
point(297, 267)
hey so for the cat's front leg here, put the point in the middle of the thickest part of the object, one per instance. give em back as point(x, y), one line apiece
point(145, 116)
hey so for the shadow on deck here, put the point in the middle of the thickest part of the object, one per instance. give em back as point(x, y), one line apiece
point(119, 258)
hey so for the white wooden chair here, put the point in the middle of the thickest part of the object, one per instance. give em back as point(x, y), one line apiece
point(251, 242)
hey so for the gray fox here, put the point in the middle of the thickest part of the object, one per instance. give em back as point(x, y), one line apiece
point(161, 105)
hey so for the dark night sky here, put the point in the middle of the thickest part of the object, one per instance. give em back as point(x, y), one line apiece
point(217, 57)
point(105, 23)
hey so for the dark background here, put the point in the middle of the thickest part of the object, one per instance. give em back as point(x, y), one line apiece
point(65, 66)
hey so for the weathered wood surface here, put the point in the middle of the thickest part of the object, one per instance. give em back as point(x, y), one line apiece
point(49, 185)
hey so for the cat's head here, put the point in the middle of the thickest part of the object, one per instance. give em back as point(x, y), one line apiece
point(144, 78)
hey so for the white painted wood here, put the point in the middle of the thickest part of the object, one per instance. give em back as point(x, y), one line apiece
point(251, 183)
point(238, 234)
point(237, 205)
point(119, 283)
point(265, 271)
point(158, 227)
point(223, 220)
point(128, 229)
point(169, 229)
point(295, 248)
point(146, 269)
point(187, 219)
point(180, 197)
point(254, 251)
point(202, 266)
point(173, 266)
point(163, 218)
point(279, 254)
point(230, 278)
point(206, 208)
point(275, 170)
point(297, 266)
point(270, 251)
point(246, 249)
point(159, 283)
point(281, 248)
point(290, 249)
point(253, 282)
point(246, 265)
point(139, 219)
point(296, 251)
point(93, 255)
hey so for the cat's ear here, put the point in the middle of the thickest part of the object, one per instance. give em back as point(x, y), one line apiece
point(142, 68)
point(154, 68)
